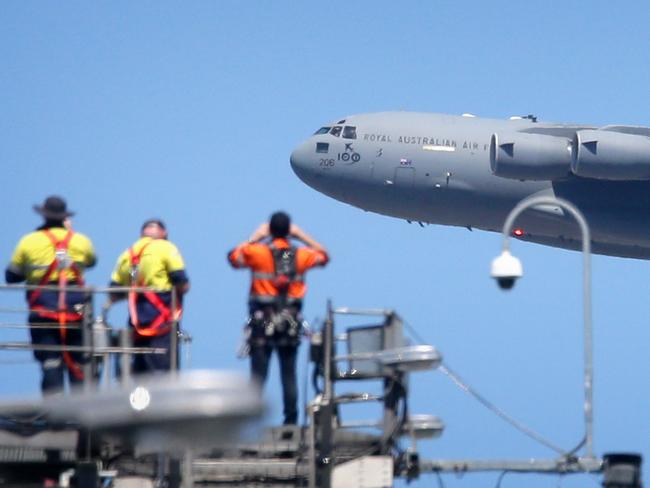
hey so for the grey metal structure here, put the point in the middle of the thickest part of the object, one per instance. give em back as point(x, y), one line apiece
point(328, 450)
point(71, 436)
point(333, 450)
point(533, 202)
point(470, 172)
point(194, 427)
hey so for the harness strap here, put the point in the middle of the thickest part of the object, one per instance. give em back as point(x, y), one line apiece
point(61, 245)
point(272, 299)
point(61, 314)
point(161, 325)
point(54, 314)
point(260, 275)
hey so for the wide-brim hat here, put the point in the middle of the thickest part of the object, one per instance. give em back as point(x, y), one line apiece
point(53, 208)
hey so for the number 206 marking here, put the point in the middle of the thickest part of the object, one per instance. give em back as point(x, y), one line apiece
point(326, 163)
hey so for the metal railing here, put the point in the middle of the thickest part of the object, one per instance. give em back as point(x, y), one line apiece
point(101, 342)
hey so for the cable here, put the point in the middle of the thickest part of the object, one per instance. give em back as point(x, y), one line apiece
point(500, 478)
point(500, 413)
point(573, 451)
point(441, 483)
point(493, 408)
point(414, 332)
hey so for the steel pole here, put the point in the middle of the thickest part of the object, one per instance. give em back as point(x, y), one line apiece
point(588, 327)
point(125, 358)
point(579, 465)
point(173, 343)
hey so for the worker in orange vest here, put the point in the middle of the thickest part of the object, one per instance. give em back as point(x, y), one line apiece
point(276, 297)
point(54, 255)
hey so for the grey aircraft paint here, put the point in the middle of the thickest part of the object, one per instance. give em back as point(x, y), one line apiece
point(470, 172)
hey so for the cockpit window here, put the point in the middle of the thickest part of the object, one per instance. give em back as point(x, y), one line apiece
point(322, 130)
point(322, 147)
point(349, 132)
point(336, 130)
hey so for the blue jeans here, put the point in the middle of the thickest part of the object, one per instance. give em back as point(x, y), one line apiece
point(53, 367)
point(150, 363)
point(260, 357)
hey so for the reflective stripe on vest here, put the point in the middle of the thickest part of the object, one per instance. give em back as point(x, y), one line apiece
point(272, 299)
point(282, 294)
point(260, 275)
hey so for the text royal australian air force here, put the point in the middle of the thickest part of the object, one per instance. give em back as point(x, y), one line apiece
point(424, 141)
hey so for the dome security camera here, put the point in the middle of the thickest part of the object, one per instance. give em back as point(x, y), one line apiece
point(506, 269)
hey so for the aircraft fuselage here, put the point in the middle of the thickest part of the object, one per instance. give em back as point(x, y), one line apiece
point(436, 168)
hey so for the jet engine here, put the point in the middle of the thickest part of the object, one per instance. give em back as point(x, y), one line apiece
point(522, 156)
point(607, 155)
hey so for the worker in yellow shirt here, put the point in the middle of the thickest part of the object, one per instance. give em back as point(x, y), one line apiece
point(54, 255)
point(151, 262)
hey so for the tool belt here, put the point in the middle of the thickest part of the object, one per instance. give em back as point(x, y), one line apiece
point(268, 326)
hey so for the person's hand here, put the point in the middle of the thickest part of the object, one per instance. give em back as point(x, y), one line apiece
point(296, 232)
point(260, 233)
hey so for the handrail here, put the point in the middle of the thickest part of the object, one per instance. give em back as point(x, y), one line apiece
point(92, 347)
point(381, 312)
point(89, 289)
point(20, 346)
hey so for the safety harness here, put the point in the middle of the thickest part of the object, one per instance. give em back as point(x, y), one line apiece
point(280, 314)
point(161, 325)
point(284, 274)
point(62, 263)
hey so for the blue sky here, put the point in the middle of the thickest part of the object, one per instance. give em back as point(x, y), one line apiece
point(189, 112)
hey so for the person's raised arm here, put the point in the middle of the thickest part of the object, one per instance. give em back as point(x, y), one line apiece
point(236, 256)
point(297, 233)
point(262, 232)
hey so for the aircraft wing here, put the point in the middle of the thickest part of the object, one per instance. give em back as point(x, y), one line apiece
point(567, 131)
point(637, 130)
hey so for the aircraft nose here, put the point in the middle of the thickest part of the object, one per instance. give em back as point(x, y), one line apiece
point(301, 162)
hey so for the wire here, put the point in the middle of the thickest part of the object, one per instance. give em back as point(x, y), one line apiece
point(500, 478)
point(500, 413)
point(441, 483)
point(414, 332)
point(573, 451)
point(463, 385)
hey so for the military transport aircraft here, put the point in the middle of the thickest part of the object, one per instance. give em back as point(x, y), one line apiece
point(469, 171)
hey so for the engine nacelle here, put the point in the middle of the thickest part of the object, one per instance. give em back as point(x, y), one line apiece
point(609, 155)
point(521, 156)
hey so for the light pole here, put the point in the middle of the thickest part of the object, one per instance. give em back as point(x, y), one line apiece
point(502, 272)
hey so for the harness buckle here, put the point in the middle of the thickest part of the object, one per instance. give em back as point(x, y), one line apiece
point(62, 259)
point(269, 328)
point(133, 273)
point(244, 349)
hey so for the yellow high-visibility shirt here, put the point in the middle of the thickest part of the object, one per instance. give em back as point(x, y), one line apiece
point(35, 252)
point(159, 259)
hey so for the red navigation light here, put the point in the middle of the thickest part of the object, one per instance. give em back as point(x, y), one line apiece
point(518, 232)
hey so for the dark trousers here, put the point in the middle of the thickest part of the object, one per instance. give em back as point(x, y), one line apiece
point(53, 366)
point(260, 357)
point(150, 363)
